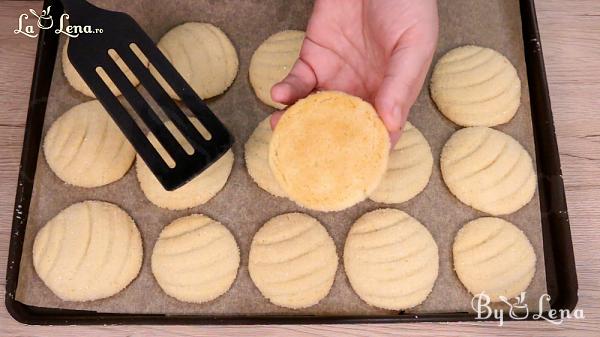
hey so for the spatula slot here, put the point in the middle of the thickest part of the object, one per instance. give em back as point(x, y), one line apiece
point(142, 108)
point(123, 66)
point(187, 147)
point(163, 86)
point(198, 125)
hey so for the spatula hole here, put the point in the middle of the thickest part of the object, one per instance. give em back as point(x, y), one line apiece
point(105, 78)
point(161, 150)
point(123, 66)
point(203, 131)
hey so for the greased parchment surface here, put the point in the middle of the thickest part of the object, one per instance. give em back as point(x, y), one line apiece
point(243, 207)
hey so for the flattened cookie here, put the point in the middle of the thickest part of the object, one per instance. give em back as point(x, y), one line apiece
point(293, 260)
point(88, 251)
point(476, 86)
point(488, 170)
point(85, 148)
point(195, 259)
point(203, 55)
point(329, 151)
point(272, 62)
point(492, 255)
point(195, 192)
point(256, 152)
point(409, 168)
point(391, 260)
point(79, 84)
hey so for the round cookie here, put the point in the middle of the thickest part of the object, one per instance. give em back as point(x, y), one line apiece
point(492, 255)
point(195, 259)
point(88, 251)
point(272, 62)
point(293, 260)
point(256, 153)
point(409, 168)
point(203, 55)
point(476, 86)
point(391, 260)
point(195, 192)
point(329, 151)
point(85, 148)
point(79, 84)
point(488, 170)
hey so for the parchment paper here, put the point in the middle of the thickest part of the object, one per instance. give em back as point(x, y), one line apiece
point(243, 207)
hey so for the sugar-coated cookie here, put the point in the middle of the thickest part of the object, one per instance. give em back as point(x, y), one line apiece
point(476, 86)
point(203, 55)
point(195, 259)
point(85, 148)
point(329, 151)
point(409, 168)
point(492, 255)
point(195, 192)
point(293, 260)
point(256, 153)
point(488, 170)
point(391, 260)
point(272, 62)
point(88, 251)
point(79, 84)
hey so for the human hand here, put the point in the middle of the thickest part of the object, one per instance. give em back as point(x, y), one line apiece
point(379, 50)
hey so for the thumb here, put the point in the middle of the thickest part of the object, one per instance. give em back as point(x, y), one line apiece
point(297, 84)
point(401, 85)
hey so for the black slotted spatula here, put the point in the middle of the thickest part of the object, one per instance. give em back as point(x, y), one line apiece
point(120, 34)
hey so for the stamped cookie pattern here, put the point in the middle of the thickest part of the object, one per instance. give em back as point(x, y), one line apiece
point(85, 148)
point(293, 260)
point(476, 86)
point(272, 61)
point(409, 168)
point(492, 255)
point(488, 170)
point(203, 55)
point(391, 260)
point(88, 251)
point(195, 259)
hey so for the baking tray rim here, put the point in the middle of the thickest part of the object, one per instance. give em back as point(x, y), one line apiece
point(558, 248)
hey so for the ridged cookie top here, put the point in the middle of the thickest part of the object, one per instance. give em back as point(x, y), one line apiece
point(391, 260)
point(293, 260)
point(88, 251)
point(196, 191)
point(195, 259)
point(203, 55)
point(329, 151)
point(488, 170)
point(85, 148)
point(494, 256)
point(475, 86)
point(409, 168)
point(272, 61)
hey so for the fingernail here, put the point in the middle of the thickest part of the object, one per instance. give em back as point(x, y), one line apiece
point(394, 119)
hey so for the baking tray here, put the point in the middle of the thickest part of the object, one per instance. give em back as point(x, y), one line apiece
point(558, 251)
